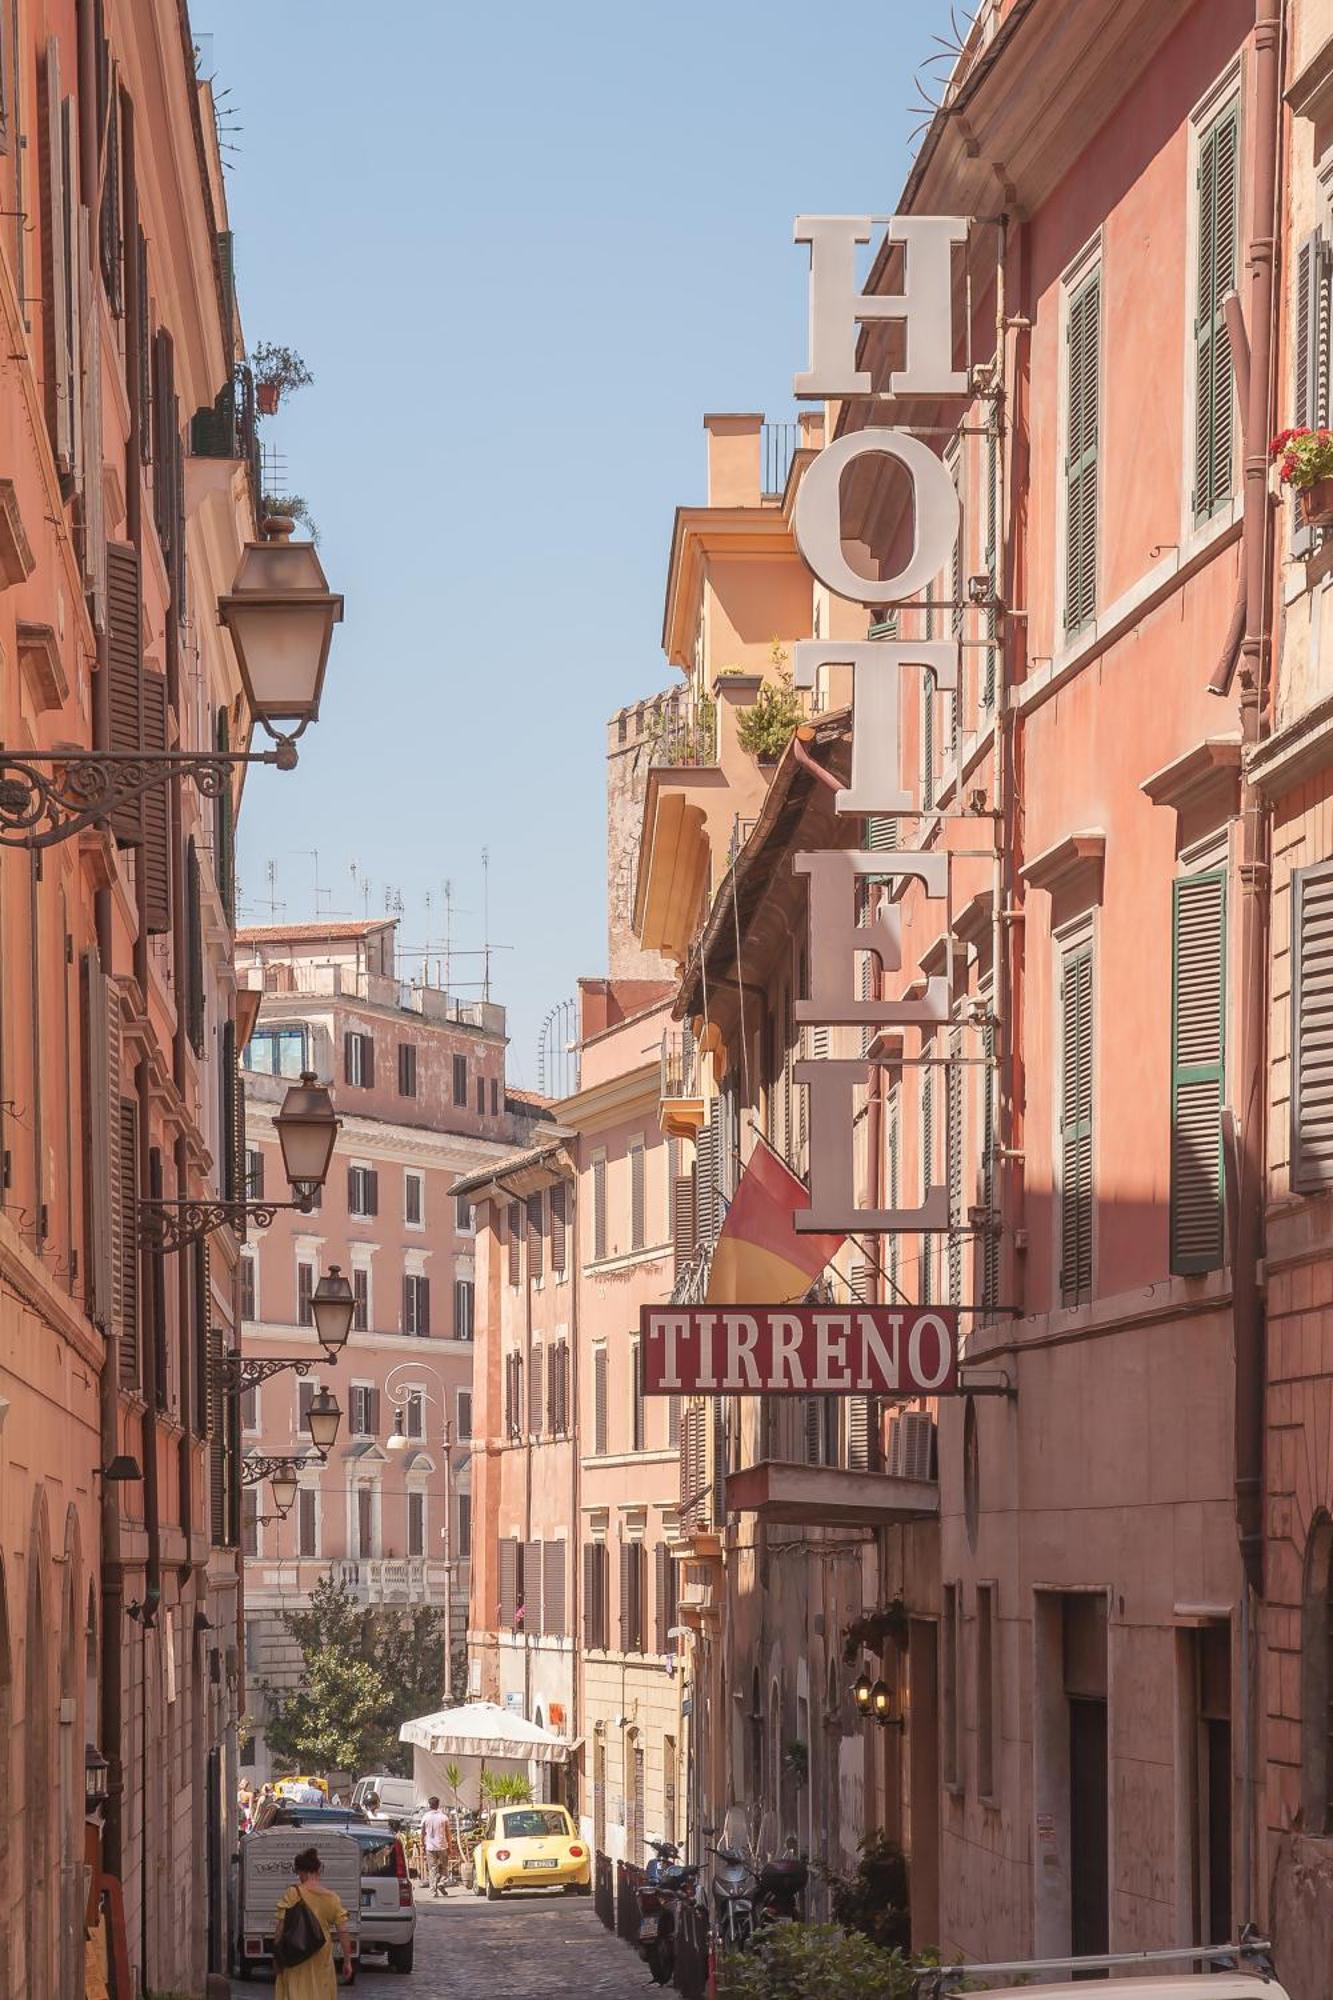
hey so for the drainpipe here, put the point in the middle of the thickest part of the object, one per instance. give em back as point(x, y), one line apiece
point(1251, 1080)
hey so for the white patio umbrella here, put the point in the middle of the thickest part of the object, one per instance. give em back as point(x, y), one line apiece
point(484, 1729)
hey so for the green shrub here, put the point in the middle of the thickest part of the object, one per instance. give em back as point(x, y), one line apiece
point(767, 728)
point(874, 1901)
point(814, 1962)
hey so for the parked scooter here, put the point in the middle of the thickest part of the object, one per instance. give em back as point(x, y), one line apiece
point(733, 1899)
point(780, 1888)
point(667, 1882)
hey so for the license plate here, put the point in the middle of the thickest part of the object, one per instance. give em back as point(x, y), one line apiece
point(541, 1864)
point(647, 1930)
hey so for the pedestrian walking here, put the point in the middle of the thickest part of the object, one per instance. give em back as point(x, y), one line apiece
point(435, 1833)
point(316, 1977)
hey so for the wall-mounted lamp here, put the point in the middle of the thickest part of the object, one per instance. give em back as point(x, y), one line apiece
point(122, 1471)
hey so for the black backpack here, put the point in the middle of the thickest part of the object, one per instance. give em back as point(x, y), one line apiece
point(300, 1936)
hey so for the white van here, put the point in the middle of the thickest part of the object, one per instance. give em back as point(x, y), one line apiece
point(1189, 1986)
point(397, 1797)
point(267, 1870)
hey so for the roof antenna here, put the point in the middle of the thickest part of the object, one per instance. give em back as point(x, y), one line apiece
point(486, 920)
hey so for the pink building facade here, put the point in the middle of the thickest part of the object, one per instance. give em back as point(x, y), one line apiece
point(418, 1079)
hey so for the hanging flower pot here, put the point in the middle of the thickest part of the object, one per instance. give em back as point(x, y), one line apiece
point(266, 396)
point(1317, 503)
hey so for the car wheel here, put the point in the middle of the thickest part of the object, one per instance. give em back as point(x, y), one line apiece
point(400, 1957)
point(492, 1893)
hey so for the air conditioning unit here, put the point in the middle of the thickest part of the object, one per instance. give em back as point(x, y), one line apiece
point(912, 1446)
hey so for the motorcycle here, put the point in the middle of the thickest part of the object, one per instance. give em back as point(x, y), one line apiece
point(733, 1899)
point(667, 1881)
point(780, 1888)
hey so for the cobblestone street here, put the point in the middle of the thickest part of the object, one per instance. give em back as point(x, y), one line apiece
point(527, 1948)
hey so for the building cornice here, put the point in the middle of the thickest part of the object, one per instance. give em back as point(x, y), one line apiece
point(454, 1152)
point(604, 1103)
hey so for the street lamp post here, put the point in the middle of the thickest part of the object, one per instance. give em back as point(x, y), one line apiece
point(400, 1394)
point(281, 614)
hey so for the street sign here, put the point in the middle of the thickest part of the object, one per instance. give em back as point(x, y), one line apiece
point(853, 1350)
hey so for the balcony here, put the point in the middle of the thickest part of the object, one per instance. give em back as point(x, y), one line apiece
point(374, 1580)
point(682, 734)
point(829, 1496)
point(680, 1110)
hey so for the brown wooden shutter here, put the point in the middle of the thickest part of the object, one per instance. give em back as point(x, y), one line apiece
point(514, 1226)
point(368, 1058)
point(599, 1402)
point(592, 1632)
point(194, 947)
point(57, 203)
point(349, 1056)
point(423, 1305)
point(638, 1219)
point(662, 1566)
point(508, 1582)
point(372, 1191)
point(124, 669)
point(626, 1597)
point(217, 1441)
point(682, 1220)
point(599, 1237)
point(536, 1262)
point(553, 1589)
point(130, 1368)
point(155, 859)
point(559, 1247)
point(100, 1006)
point(536, 1382)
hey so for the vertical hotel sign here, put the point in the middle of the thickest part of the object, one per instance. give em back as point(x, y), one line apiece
point(838, 309)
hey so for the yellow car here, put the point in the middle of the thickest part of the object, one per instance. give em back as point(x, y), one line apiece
point(531, 1847)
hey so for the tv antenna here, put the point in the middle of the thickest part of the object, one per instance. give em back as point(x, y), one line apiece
point(312, 854)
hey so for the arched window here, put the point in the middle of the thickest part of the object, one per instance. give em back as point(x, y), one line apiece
point(1317, 1680)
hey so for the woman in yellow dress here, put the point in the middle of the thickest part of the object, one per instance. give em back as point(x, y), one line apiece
point(317, 1978)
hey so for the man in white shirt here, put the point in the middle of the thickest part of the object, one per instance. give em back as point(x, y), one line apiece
point(435, 1834)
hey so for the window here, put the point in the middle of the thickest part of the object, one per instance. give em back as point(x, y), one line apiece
point(249, 1521)
point(559, 1229)
point(407, 1069)
point(536, 1236)
point(464, 1425)
point(633, 1569)
point(1075, 1123)
point(481, 1097)
point(637, 1202)
point(254, 1173)
point(637, 1411)
point(557, 1388)
point(949, 1684)
point(414, 1200)
point(416, 1304)
point(365, 1521)
point(358, 1059)
point(1198, 1039)
point(599, 1206)
point(277, 1051)
point(986, 1690)
point(460, 1080)
point(416, 1524)
point(1083, 318)
point(514, 1227)
point(363, 1191)
point(513, 1394)
point(510, 1579)
point(1218, 196)
point(305, 1396)
point(464, 1220)
point(363, 1410)
point(414, 1414)
point(308, 1522)
point(360, 1299)
point(250, 1408)
point(536, 1386)
point(553, 1589)
point(596, 1595)
point(305, 1285)
point(249, 1285)
point(599, 1366)
point(495, 1097)
point(1311, 1028)
point(465, 1293)
point(666, 1594)
point(463, 1550)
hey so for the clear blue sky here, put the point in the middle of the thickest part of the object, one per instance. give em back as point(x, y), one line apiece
point(523, 248)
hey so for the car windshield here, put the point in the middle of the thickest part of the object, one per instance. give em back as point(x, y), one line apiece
point(532, 1823)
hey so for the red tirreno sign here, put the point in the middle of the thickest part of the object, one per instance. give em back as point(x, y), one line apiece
point(851, 1350)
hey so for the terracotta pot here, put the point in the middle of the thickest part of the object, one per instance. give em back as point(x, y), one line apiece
point(266, 397)
point(1317, 504)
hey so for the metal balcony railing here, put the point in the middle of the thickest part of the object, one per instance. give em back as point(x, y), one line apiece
point(682, 735)
point(680, 1064)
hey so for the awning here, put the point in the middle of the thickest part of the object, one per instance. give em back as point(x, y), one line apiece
point(484, 1729)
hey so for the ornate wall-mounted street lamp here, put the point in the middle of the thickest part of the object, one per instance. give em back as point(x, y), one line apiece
point(281, 614)
point(322, 1420)
point(874, 1702)
point(282, 1474)
point(307, 1127)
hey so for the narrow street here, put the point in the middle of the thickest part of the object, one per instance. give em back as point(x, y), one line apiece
point(529, 1948)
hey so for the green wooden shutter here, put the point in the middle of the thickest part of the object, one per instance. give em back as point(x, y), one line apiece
point(990, 1250)
point(224, 861)
point(925, 1292)
point(1218, 193)
point(894, 1115)
point(1076, 1137)
point(928, 742)
point(953, 1147)
point(1310, 361)
point(991, 672)
point(1198, 1045)
point(1312, 1029)
point(1083, 392)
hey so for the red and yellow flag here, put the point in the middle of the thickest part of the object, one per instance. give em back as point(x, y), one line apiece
point(758, 1258)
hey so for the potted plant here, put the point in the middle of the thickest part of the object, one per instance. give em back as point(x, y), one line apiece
point(291, 508)
point(275, 369)
point(1305, 463)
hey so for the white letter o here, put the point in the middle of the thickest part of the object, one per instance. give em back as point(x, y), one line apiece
point(817, 518)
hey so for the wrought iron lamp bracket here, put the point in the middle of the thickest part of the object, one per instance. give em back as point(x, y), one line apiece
point(255, 1469)
point(170, 1225)
point(239, 1373)
point(49, 795)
